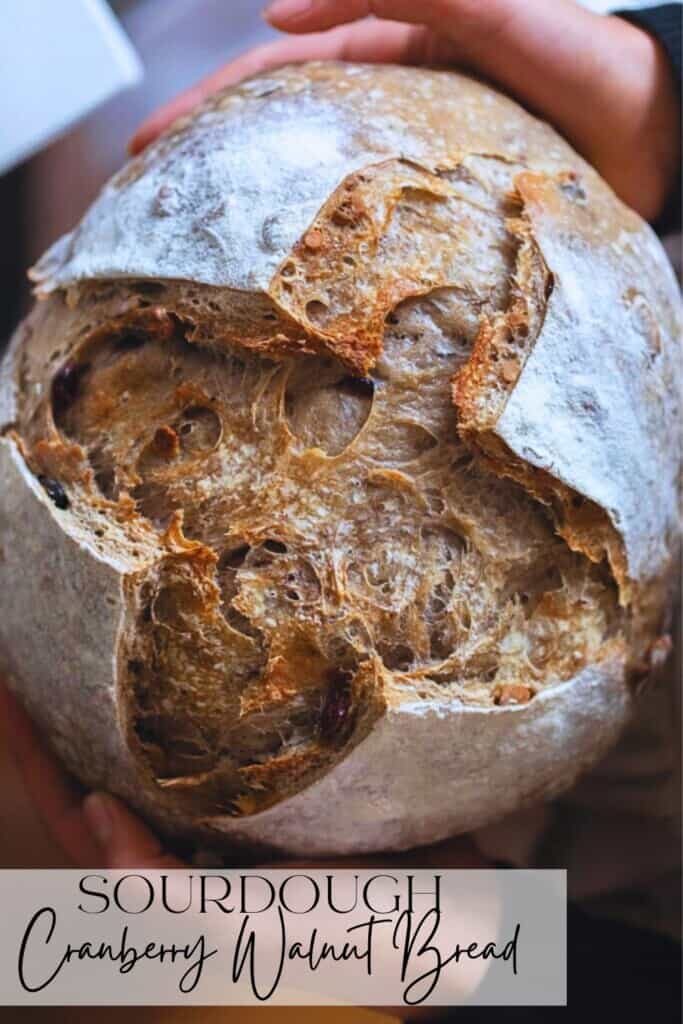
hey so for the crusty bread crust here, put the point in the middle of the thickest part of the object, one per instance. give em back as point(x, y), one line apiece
point(341, 457)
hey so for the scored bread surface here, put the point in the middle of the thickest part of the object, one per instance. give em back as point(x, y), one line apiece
point(339, 493)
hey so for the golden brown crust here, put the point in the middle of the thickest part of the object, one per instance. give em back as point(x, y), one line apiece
point(578, 271)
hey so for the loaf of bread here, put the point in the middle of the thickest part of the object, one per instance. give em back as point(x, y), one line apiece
point(338, 467)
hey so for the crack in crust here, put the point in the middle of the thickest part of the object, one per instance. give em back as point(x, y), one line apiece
point(482, 387)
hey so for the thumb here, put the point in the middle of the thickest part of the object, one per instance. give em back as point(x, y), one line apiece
point(123, 839)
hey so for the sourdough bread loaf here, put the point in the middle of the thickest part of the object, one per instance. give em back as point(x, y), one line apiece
point(339, 465)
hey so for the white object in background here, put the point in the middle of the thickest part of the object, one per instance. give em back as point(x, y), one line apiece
point(57, 62)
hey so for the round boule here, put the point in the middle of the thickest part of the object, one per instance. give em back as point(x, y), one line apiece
point(338, 475)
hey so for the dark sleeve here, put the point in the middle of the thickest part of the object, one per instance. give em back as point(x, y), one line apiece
point(614, 973)
point(664, 22)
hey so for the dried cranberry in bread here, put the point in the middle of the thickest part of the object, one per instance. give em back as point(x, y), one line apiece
point(338, 467)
